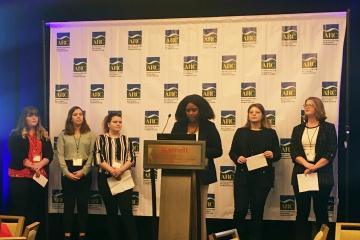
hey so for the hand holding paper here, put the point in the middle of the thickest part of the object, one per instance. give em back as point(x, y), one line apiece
point(256, 161)
point(308, 182)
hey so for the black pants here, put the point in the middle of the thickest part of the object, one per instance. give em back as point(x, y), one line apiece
point(254, 196)
point(120, 201)
point(76, 192)
point(303, 206)
point(28, 198)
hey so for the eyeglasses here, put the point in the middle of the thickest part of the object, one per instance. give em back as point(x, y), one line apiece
point(308, 105)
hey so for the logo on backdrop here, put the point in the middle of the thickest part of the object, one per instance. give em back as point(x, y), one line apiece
point(135, 199)
point(227, 175)
point(61, 93)
point(57, 199)
point(116, 66)
point(288, 92)
point(329, 91)
point(228, 120)
point(210, 206)
point(115, 112)
point(135, 142)
point(210, 37)
point(309, 63)
point(152, 66)
point(97, 93)
point(147, 175)
point(62, 41)
point(289, 35)
point(98, 41)
point(302, 116)
point(172, 39)
point(134, 40)
point(331, 205)
point(133, 92)
point(171, 92)
point(249, 35)
point(285, 147)
point(248, 92)
point(268, 64)
point(80, 67)
point(55, 143)
point(209, 91)
point(287, 205)
point(228, 65)
point(151, 120)
point(330, 34)
point(190, 65)
point(95, 199)
point(270, 115)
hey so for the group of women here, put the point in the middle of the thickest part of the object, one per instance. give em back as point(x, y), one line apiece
point(313, 148)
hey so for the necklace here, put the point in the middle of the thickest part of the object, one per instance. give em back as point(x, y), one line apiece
point(311, 139)
point(193, 130)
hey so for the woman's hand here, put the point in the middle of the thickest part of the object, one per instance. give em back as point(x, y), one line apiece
point(241, 160)
point(72, 176)
point(79, 174)
point(268, 154)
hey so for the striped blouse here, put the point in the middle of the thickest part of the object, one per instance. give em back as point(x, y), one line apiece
point(113, 151)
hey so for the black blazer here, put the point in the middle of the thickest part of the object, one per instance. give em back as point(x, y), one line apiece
point(325, 147)
point(19, 150)
point(209, 134)
point(268, 141)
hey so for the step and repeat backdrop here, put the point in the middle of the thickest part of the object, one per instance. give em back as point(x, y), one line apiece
point(144, 68)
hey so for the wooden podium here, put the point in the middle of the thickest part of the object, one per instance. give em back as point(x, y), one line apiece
point(180, 216)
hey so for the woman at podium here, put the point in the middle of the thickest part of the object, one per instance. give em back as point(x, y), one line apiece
point(254, 148)
point(193, 116)
point(115, 157)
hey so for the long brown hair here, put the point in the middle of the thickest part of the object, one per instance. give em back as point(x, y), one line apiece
point(69, 126)
point(22, 127)
point(264, 121)
point(320, 113)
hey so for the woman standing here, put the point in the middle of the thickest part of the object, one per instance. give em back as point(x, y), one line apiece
point(31, 153)
point(313, 149)
point(192, 117)
point(75, 153)
point(251, 188)
point(115, 157)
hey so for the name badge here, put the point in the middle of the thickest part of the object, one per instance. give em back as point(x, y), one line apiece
point(36, 158)
point(116, 164)
point(77, 161)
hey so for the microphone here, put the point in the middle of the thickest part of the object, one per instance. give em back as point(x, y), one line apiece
point(167, 121)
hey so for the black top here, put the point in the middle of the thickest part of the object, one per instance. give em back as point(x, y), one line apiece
point(19, 150)
point(325, 147)
point(209, 134)
point(248, 143)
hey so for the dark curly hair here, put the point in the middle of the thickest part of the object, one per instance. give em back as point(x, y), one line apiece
point(205, 110)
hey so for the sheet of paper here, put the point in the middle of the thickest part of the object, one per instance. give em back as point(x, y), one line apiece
point(118, 186)
point(256, 161)
point(308, 182)
point(40, 180)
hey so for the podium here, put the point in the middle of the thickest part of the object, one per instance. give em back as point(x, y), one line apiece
point(180, 213)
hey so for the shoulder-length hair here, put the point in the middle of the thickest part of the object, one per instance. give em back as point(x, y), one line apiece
point(205, 110)
point(320, 113)
point(22, 127)
point(69, 126)
point(108, 119)
point(264, 121)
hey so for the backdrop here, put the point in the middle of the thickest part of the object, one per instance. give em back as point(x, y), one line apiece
point(143, 68)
